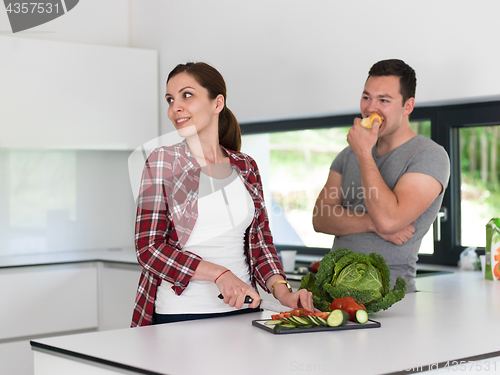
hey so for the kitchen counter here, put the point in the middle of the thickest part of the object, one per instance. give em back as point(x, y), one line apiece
point(121, 255)
point(453, 317)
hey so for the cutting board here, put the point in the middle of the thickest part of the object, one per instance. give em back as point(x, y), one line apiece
point(349, 325)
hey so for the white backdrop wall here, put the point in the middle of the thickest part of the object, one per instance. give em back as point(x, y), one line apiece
point(104, 22)
point(289, 58)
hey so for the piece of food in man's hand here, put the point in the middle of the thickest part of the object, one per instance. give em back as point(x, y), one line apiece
point(367, 121)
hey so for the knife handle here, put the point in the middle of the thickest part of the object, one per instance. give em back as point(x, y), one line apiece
point(248, 299)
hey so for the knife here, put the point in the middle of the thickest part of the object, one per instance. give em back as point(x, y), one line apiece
point(266, 305)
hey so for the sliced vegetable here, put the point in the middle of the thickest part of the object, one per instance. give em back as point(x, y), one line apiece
point(361, 316)
point(337, 318)
point(312, 320)
point(323, 315)
point(296, 322)
point(272, 322)
point(300, 312)
point(322, 321)
point(301, 318)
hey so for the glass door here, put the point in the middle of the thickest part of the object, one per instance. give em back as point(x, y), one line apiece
point(479, 182)
point(470, 134)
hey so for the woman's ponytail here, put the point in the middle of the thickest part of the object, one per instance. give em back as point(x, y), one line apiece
point(229, 130)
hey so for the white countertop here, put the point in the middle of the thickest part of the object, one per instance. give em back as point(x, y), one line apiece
point(452, 317)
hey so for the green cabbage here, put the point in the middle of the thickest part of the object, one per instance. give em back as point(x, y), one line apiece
point(364, 277)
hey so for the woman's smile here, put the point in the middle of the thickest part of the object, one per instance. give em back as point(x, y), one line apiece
point(181, 121)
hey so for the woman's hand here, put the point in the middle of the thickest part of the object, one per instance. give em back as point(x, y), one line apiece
point(230, 286)
point(299, 299)
point(235, 290)
point(302, 298)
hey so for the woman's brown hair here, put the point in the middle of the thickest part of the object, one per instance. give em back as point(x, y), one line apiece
point(208, 77)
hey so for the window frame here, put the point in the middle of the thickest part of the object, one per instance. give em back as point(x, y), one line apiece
point(446, 121)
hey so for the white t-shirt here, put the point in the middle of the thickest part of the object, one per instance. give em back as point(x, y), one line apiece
point(225, 211)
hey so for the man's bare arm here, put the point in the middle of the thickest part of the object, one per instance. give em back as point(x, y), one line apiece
point(390, 210)
point(330, 217)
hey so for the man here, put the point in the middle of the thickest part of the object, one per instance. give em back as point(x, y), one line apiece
point(385, 189)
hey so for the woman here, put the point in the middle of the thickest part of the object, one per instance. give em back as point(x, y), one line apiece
point(202, 228)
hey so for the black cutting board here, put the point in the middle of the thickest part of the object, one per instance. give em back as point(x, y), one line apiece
point(349, 325)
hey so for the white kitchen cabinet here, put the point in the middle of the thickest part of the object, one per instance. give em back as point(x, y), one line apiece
point(16, 358)
point(84, 293)
point(41, 301)
point(76, 96)
point(47, 299)
point(118, 287)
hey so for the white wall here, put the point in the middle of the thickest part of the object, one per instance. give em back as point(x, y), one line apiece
point(289, 58)
point(90, 21)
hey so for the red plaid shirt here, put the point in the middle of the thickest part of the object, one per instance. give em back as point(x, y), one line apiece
point(166, 213)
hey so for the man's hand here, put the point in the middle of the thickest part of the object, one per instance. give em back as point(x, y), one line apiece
point(363, 140)
point(400, 237)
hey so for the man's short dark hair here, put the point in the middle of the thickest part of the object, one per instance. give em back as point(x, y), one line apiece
point(398, 68)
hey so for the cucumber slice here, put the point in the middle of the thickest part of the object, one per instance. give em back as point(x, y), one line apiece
point(322, 321)
point(294, 321)
point(361, 317)
point(284, 325)
point(318, 322)
point(313, 320)
point(301, 320)
point(337, 318)
point(288, 321)
point(272, 322)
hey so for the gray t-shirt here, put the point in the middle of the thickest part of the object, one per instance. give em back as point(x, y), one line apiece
point(417, 155)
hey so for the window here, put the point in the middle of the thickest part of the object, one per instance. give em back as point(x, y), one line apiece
point(464, 221)
point(299, 165)
point(480, 190)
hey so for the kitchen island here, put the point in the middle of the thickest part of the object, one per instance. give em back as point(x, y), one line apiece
point(453, 317)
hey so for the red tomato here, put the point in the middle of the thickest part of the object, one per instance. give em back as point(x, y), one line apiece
point(320, 314)
point(300, 312)
point(339, 302)
point(348, 304)
point(314, 267)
